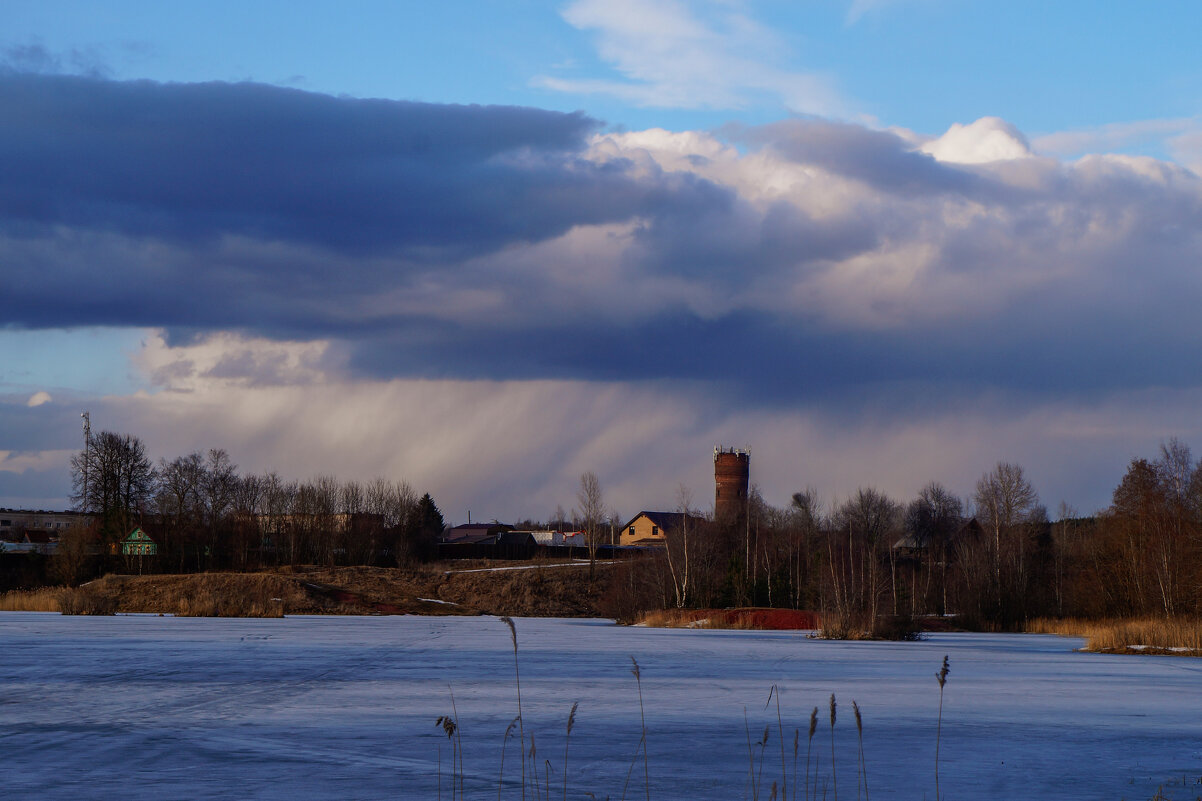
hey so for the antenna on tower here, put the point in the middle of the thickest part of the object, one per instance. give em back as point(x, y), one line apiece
point(87, 457)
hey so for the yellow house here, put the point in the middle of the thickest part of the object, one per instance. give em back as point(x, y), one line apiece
point(651, 528)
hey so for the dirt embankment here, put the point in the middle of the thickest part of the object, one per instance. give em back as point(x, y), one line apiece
point(528, 589)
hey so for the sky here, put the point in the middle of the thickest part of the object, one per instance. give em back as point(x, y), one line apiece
point(485, 247)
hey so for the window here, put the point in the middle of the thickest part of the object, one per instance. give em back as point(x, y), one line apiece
point(6, 522)
point(655, 531)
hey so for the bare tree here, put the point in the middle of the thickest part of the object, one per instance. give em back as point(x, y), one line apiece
point(867, 519)
point(1005, 500)
point(120, 480)
point(218, 487)
point(592, 512)
point(931, 520)
point(178, 502)
point(676, 543)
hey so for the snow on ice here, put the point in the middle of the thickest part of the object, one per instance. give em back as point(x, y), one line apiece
point(143, 707)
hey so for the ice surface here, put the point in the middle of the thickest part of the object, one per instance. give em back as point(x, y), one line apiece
point(143, 707)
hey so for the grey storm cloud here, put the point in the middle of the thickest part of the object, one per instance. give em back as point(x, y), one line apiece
point(445, 241)
point(187, 162)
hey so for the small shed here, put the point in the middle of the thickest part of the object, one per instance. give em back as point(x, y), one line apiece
point(138, 543)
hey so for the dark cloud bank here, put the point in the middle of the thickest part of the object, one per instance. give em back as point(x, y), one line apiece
point(275, 212)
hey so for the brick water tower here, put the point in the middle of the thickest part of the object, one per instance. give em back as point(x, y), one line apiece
point(732, 470)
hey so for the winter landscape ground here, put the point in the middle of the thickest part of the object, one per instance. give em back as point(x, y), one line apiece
point(148, 707)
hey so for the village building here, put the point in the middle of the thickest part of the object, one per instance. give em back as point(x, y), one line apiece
point(139, 543)
point(652, 528)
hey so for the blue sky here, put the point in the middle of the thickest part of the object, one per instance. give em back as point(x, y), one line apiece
point(881, 241)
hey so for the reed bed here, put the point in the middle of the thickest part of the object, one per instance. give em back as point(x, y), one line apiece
point(1128, 635)
point(199, 595)
point(809, 781)
point(93, 598)
point(44, 599)
point(741, 619)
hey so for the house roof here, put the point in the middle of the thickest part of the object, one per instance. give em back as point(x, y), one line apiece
point(473, 536)
point(516, 538)
point(665, 520)
point(138, 535)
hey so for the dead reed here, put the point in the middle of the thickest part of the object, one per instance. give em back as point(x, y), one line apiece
point(743, 618)
point(1180, 635)
point(862, 764)
point(941, 676)
point(517, 678)
point(834, 777)
point(45, 599)
point(87, 600)
point(778, 789)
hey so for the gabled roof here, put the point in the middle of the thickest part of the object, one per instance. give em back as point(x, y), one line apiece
point(516, 538)
point(138, 535)
point(666, 520)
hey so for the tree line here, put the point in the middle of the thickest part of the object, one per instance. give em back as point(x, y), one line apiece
point(995, 559)
point(204, 514)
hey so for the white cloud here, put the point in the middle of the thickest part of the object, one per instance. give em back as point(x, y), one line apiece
point(669, 56)
point(227, 359)
point(1116, 136)
point(38, 398)
point(980, 142)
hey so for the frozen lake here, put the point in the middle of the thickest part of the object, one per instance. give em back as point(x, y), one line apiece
point(143, 707)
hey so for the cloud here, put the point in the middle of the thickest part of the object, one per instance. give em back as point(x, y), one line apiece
point(38, 398)
point(1116, 136)
point(34, 57)
point(988, 139)
point(511, 449)
point(467, 270)
point(672, 55)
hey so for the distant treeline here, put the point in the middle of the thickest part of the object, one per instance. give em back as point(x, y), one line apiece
point(870, 562)
point(204, 515)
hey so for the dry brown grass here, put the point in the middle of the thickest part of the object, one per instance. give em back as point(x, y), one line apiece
point(45, 599)
point(672, 619)
point(749, 619)
point(557, 592)
point(215, 595)
point(94, 598)
point(1161, 635)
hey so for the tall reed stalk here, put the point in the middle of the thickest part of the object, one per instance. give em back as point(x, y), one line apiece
point(780, 730)
point(513, 633)
point(863, 766)
point(834, 776)
point(942, 677)
point(449, 727)
point(638, 680)
point(796, 746)
point(809, 748)
point(504, 742)
point(567, 737)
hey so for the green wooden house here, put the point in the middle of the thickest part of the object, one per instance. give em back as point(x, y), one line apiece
point(138, 543)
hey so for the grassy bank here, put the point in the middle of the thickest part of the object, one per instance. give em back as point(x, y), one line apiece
point(434, 589)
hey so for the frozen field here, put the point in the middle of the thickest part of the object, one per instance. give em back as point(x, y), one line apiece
point(302, 708)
